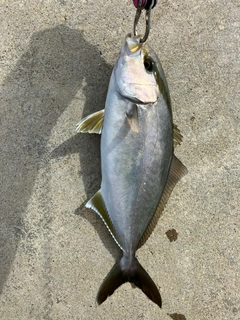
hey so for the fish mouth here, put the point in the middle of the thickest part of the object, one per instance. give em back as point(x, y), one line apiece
point(132, 44)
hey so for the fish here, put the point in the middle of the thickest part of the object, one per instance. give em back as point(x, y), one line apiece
point(138, 165)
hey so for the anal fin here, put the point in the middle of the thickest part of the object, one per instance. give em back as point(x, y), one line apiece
point(176, 172)
point(92, 123)
point(96, 203)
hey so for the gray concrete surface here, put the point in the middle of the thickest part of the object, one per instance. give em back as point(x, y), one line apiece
point(56, 60)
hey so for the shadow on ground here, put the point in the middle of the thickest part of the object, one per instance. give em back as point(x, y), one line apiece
point(35, 93)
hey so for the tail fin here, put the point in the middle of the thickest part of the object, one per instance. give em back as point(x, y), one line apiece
point(127, 270)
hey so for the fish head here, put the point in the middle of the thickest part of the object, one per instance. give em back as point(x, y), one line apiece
point(136, 72)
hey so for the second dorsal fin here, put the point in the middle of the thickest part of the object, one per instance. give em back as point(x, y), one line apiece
point(176, 172)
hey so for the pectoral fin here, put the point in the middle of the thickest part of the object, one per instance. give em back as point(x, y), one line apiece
point(132, 117)
point(96, 203)
point(177, 171)
point(92, 123)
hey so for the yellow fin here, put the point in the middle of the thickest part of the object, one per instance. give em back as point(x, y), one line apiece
point(177, 136)
point(132, 117)
point(96, 203)
point(92, 123)
point(177, 171)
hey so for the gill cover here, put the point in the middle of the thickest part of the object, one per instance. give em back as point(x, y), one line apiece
point(135, 73)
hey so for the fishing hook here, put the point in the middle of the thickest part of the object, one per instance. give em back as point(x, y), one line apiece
point(147, 19)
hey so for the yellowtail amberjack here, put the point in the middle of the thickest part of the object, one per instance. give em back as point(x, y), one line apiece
point(139, 168)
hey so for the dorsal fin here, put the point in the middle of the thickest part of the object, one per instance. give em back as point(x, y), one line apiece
point(176, 172)
point(92, 123)
point(96, 203)
point(177, 136)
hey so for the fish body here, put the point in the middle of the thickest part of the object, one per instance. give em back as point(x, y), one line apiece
point(134, 165)
point(139, 169)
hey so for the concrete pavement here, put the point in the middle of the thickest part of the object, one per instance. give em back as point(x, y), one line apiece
point(56, 60)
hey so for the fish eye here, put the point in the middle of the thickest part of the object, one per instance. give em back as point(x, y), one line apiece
point(148, 64)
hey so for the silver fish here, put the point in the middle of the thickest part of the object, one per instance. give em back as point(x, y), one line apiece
point(139, 168)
